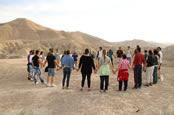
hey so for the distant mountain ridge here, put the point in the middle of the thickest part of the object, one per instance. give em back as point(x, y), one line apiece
point(141, 43)
point(24, 34)
point(19, 36)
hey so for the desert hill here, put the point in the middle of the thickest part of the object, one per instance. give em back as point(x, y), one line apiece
point(168, 55)
point(142, 43)
point(21, 97)
point(21, 35)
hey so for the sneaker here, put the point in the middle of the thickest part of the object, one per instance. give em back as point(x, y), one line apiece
point(161, 77)
point(101, 91)
point(67, 87)
point(36, 83)
point(53, 85)
point(48, 85)
point(29, 78)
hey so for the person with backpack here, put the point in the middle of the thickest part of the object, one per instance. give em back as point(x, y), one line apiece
point(150, 68)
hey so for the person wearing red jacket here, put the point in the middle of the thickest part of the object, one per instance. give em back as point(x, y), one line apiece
point(139, 60)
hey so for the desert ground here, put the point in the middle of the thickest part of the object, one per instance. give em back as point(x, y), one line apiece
point(18, 96)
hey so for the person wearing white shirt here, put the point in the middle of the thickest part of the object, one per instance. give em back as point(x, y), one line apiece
point(30, 65)
point(160, 60)
point(129, 56)
point(57, 56)
point(99, 53)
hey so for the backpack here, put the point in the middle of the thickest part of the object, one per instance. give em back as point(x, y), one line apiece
point(155, 60)
point(92, 56)
point(97, 54)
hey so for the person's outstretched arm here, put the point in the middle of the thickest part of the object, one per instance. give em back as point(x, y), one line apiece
point(45, 63)
point(93, 65)
point(97, 67)
point(111, 66)
point(80, 63)
point(55, 61)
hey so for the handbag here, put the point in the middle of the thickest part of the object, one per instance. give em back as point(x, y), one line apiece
point(46, 69)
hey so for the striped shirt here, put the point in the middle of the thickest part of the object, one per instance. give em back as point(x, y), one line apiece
point(124, 64)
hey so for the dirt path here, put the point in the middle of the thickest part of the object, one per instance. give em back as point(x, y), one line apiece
point(21, 97)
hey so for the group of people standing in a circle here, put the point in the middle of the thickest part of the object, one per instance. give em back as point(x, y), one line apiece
point(148, 62)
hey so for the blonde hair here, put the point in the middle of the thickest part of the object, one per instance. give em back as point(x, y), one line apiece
point(104, 54)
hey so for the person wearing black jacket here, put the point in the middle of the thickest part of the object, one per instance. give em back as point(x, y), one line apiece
point(86, 64)
point(150, 68)
point(156, 65)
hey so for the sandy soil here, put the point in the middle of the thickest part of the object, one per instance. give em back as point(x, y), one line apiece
point(18, 96)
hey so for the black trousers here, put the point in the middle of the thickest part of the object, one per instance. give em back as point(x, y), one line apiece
point(88, 79)
point(104, 79)
point(112, 61)
point(138, 69)
point(125, 85)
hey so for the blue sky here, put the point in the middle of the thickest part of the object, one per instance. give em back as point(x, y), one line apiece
point(112, 20)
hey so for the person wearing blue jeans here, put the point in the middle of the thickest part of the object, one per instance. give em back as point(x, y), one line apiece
point(66, 75)
point(139, 60)
point(67, 64)
point(129, 59)
point(129, 55)
point(36, 69)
